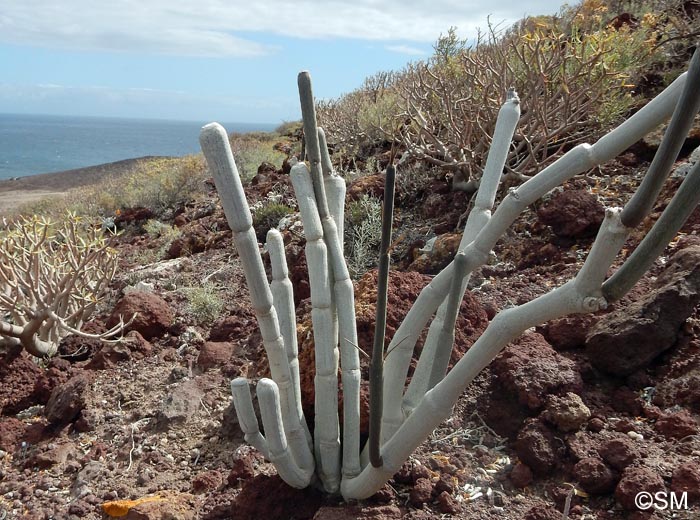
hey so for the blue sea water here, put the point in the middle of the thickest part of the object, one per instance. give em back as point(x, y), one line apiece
point(31, 144)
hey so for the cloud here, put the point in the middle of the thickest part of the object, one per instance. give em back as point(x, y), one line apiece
point(406, 49)
point(218, 27)
point(140, 102)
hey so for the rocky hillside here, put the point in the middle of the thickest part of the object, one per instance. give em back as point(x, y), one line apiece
point(578, 415)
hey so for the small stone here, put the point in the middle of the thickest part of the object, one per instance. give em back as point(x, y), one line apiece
point(242, 469)
point(686, 479)
point(676, 425)
point(447, 504)
point(207, 481)
point(595, 476)
point(596, 425)
point(419, 471)
point(444, 484)
point(537, 447)
point(568, 412)
point(421, 492)
point(634, 481)
point(68, 400)
point(521, 475)
point(619, 452)
point(636, 436)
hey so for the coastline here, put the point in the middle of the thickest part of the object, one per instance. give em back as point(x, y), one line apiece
point(21, 190)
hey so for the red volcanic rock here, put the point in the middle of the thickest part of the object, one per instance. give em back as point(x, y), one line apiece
point(686, 479)
point(68, 400)
point(19, 376)
point(620, 452)
point(635, 480)
point(521, 475)
point(11, 433)
point(109, 356)
point(372, 185)
point(569, 332)
point(522, 376)
point(133, 215)
point(572, 213)
point(194, 240)
point(214, 354)
point(540, 512)
point(234, 327)
point(422, 492)
point(676, 425)
point(537, 447)
point(269, 498)
point(532, 369)
point(207, 481)
point(447, 504)
point(241, 469)
point(153, 314)
point(631, 337)
point(595, 476)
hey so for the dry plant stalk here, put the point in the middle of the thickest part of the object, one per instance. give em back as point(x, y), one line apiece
point(52, 277)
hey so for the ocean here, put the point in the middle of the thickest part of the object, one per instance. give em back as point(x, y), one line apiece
point(31, 144)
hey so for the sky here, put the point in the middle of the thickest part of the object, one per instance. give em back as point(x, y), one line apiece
point(225, 60)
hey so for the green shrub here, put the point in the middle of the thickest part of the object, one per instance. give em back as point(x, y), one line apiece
point(203, 303)
point(251, 150)
point(363, 232)
point(267, 215)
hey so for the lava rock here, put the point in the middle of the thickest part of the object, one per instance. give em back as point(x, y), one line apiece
point(634, 481)
point(620, 452)
point(537, 447)
point(207, 481)
point(686, 479)
point(567, 413)
point(595, 476)
point(447, 504)
point(68, 400)
point(421, 492)
point(241, 469)
point(569, 332)
point(532, 369)
point(631, 337)
point(572, 213)
point(153, 314)
point(521, 476)
point(676, 425)
point(214, 354)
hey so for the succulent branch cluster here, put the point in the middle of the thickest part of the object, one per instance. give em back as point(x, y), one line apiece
point(575, 74)
point(52, 277)
point(404, 416)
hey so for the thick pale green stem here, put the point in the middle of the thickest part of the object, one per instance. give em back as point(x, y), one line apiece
point(442, 325)
point(327, 429)
point(577, 160)
point(217, 150)
point(576, 296)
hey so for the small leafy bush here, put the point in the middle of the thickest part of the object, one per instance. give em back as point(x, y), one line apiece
point(253, 149)
point(204, 303)
point(53, 275)
point(363, 231)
